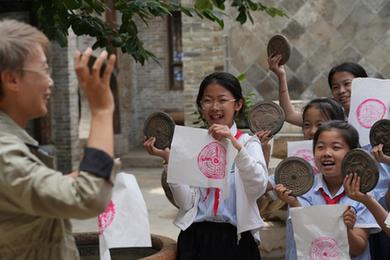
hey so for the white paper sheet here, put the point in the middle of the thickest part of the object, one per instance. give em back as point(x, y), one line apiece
point(302, 149)
point(125, 221)
point(370, 100)
point(197, 159)
point(387, 221)
point(320, 231)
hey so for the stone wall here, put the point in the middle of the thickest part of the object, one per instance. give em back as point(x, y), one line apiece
point(203, 53)
point(322, 33)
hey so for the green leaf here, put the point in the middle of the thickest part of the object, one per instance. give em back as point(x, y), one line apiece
point(241, 77)
point(203, 5)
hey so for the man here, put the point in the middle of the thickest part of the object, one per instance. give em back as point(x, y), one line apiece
point(36, 201)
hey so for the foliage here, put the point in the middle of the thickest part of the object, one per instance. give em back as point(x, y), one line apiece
point(84, 17)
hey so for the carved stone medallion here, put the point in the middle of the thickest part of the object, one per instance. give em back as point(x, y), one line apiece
point(161, 126)
point(380, 134)
point(363, 164)
point(295, 174)
point(266, 116)
point(279, 44)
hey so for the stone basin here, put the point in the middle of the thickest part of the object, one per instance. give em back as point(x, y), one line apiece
point(163, 248)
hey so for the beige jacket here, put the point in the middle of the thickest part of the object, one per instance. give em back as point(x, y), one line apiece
point(36, 202)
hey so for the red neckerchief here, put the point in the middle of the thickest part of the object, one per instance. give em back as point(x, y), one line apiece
point(330, 201)
point(217, 191)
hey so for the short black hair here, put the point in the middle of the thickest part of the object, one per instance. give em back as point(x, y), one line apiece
point(226, 80)
point(328, 107)
point(355, 69)
point(347, 131)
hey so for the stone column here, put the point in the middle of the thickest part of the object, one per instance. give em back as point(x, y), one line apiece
point(203, 53)
point(65, 106)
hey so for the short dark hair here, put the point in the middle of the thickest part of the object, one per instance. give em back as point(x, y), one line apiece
point(226, 80)
point(355, 69)
point(347, 131)
point(328, 107)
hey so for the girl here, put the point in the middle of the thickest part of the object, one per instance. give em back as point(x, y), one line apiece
point(340, 81)
point(331, 142)
point(213, 229)
point(315, 113)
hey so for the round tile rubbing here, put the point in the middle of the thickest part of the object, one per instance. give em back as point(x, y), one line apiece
point(161, 126)
point(266, 116)
point(363, 164)
point(380, 134)
point(295, 174)
point(279, 44)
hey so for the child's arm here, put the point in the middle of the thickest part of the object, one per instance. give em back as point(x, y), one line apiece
point(351, 187)
point(264, 137)
point(357, 237)
point(152, 150)
point(377, 151)
point(284, 194)
point(292, 116)
point(249, 161)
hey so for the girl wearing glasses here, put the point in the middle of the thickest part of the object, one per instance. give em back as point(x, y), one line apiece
point(212, 228)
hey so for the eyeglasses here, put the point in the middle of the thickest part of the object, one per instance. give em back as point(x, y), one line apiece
point(44, 71)
point(208, 103)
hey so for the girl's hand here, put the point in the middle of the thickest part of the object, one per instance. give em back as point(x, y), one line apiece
point(377, 151)
point(351, 185)
point(284, 194)
point(273, 64)
point(349, 217)
point(219, 132)
point(264, 137)
point(152, 150)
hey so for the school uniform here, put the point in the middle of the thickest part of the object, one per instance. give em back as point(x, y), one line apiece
point(380, 242)
point(224, 229)
point(314, 196)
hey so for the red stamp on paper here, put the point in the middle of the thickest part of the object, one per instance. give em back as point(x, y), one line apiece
point(307, 155)
point(324, 248)
point(212, 160)
point(105, 219)
point(370, 111)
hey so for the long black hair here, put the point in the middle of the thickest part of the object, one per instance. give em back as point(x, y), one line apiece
point(224, 79)
point(347, 131)
point(328, 107)
point(355, 69)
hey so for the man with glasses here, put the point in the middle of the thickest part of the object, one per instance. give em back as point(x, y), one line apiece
point(36, 201)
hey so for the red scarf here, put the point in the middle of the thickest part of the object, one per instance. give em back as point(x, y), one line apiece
point(329, 200)
point(217, 191)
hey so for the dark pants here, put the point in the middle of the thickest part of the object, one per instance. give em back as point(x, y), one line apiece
point(210, 240)
point(379, 246)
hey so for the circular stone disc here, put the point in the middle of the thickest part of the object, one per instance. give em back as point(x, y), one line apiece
point(295, 174)
point(279, 44)
point(380, 134)
point(363, 164)
point(161, 126)
point(266, 116)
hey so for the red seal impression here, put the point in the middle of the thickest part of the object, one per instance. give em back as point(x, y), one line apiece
point(324, 248)
point(307, 155)
point(105, 219)
point(370, 111)
point(212, 160)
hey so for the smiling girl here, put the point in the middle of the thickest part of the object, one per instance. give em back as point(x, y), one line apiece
point(210, 228)
point(332, 141)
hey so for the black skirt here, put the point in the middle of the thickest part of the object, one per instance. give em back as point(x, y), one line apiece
point(210, 240)
point(379, 246)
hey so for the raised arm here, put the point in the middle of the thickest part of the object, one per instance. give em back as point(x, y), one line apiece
point(292, 116)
